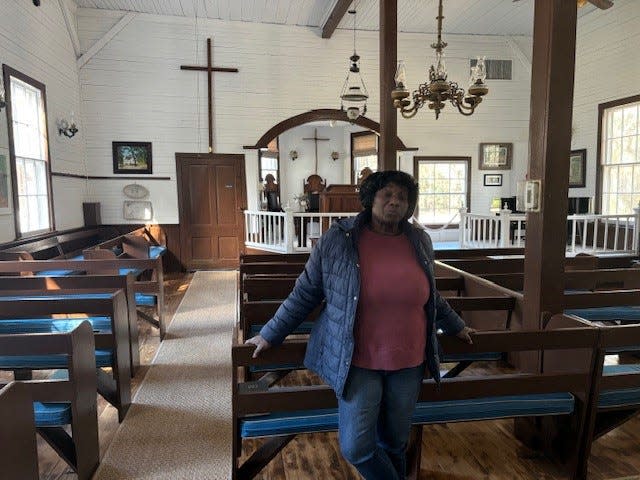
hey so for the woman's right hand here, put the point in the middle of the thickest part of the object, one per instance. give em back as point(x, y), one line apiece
point(260, 343)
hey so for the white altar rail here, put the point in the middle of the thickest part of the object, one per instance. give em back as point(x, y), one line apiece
point(289, 232)
point(585, 232)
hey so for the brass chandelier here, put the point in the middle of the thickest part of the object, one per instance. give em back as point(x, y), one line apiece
point(438, 89)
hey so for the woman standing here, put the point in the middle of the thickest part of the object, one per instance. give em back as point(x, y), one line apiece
point(377, 331)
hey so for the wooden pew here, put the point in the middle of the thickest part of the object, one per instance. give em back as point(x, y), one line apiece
point(112, 344)
point(64, 244)
point(19, 454)
point(150, 285)
point(254, 402)
point(602, 279)
point(70, 401)
point(615, 396)
point(121, 266)
point(493, 265)
point(106, 283)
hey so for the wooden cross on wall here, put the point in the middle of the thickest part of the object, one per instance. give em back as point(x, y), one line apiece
point(209, 69)
point(315, 138)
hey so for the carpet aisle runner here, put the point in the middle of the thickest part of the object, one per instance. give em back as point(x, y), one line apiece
point(179, 425)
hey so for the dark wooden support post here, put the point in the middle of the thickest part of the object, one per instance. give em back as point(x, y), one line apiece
point(388, 59)
point(554, 40)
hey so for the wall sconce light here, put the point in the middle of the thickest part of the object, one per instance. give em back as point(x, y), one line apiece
point(335, 155)
point(293, 154)
point(65, 129)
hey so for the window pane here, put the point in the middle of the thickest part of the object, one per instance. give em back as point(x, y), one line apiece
point(30, 175)
point(457, 186)
point(34, 217)
point(616, 151)
point(629, 149)
point(630, 121)
point(458, 170)
point(441, 185)
point(612, 204)
point(624, 204)
point(24, 212)
point(625, 179)
point(613, 179)
point(43, 212)
point(616, 128)
point(458, 201)
point(41, 177)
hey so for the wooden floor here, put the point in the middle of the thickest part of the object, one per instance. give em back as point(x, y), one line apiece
point(466, 451)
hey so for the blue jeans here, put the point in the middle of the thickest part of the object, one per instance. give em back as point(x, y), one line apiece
point(374, 420)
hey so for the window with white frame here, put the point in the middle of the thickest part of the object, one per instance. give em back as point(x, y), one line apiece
point(30, 153)
point(443, 188)
point(364, 153)
point(620, 159)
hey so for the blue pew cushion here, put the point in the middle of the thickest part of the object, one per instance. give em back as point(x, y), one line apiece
point(55, 273)
point(622, 313)
point(622, 397)
point(52, 325)
point(52, 414)
point(46, 298)
point(146, 299)
point(104, 358)
point(125, 271)
point(156, 250)
point(486, 408)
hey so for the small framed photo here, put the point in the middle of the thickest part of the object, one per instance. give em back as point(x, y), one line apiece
point(495, 156)
point(132, 157)
point(493, 180)
point(578, 168)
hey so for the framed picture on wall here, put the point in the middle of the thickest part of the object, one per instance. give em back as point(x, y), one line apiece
point(132, 157)
point(5, 203)
point(578, 168)
point(493, 180)
point(495, 156)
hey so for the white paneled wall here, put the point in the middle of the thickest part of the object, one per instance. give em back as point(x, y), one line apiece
point(35, 41)
point(133, 89)
point(607, 69)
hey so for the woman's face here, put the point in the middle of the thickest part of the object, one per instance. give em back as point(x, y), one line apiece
point(390, 204)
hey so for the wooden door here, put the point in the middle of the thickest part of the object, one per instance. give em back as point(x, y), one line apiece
point(211, 199)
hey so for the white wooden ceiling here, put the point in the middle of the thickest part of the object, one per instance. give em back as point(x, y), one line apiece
point(494, 17)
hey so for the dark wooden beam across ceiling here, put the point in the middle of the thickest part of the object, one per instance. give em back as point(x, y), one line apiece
point(334, 18)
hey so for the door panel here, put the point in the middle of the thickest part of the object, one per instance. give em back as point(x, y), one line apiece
point(212, 196)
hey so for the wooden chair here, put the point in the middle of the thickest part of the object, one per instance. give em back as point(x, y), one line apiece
point(364, 173)
point(313, 185)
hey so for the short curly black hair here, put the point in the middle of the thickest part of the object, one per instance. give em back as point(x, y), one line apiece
point(379, 180)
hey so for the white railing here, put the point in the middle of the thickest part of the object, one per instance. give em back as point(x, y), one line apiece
point(502, 230)
point(603, 233)
point(289, 232)
point(586, 233)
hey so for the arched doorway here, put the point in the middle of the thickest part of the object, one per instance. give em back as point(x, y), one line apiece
point(318, 115)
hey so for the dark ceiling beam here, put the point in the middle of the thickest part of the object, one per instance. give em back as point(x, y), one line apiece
point(334, 18)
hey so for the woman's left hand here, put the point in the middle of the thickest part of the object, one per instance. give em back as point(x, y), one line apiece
point(465, 335)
